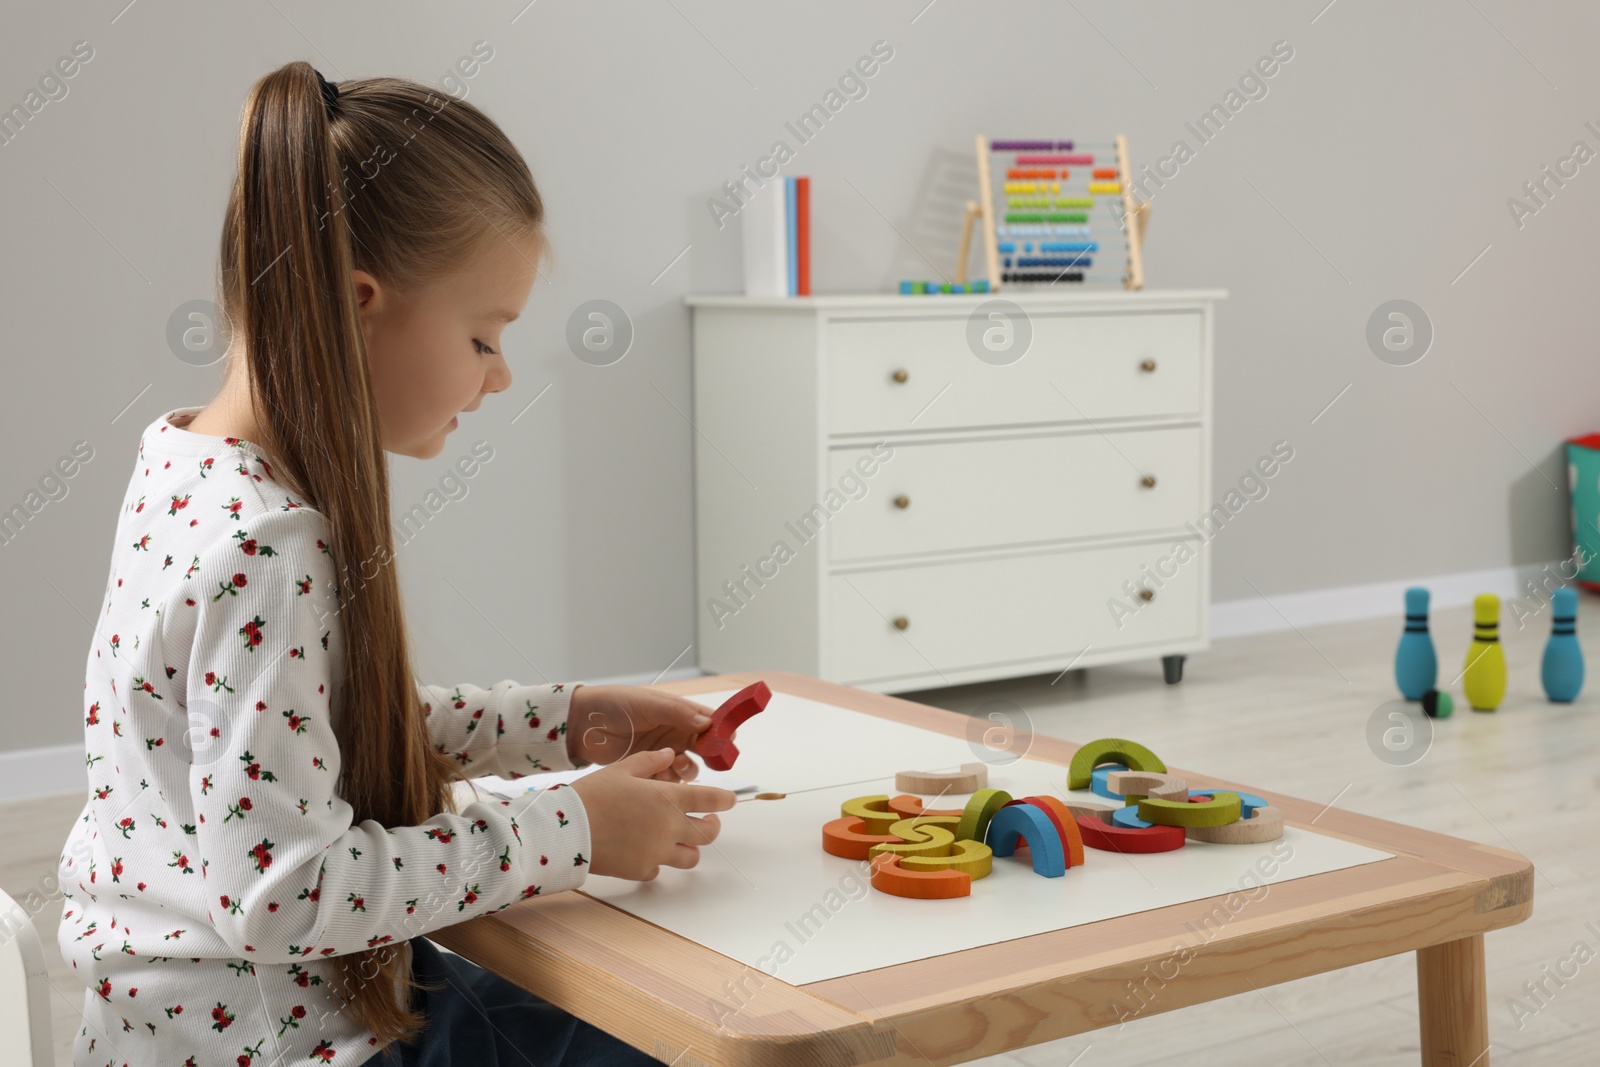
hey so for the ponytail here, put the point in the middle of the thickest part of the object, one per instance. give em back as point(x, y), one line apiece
point(288, 295)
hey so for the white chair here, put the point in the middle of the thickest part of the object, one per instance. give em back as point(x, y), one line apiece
point(24, 988)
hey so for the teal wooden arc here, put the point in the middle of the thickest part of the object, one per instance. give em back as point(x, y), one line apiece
point(1033, 826)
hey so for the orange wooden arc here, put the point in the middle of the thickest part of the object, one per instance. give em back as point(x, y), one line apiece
point(888, 876)
point(1071, 836)
point(848, 838)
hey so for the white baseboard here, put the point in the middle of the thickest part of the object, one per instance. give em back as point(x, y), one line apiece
point(1254, 615)
point(58, 769)
point(42, 772)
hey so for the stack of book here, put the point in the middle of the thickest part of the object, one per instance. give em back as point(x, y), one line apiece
point(777, 239)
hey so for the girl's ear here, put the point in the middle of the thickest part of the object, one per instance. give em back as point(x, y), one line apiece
point(370, 293)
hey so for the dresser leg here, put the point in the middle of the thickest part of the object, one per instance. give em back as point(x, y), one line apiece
point(1172, 668)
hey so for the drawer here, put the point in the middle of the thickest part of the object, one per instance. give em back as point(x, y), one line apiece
point(1076, 367)
point(979, 612)
point(1017, 490)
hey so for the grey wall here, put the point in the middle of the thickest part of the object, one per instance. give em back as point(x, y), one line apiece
point(1377, 166)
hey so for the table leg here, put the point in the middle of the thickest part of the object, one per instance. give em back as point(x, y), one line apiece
point(1453, 1001)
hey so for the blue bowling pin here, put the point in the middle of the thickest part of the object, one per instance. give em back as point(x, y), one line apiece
point(1562, 671)
point(1416, 666)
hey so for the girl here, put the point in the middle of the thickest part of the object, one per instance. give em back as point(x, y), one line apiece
point(270, 830)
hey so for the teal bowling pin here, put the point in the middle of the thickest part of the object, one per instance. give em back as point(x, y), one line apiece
point(1416, 665)
point(1562, 670)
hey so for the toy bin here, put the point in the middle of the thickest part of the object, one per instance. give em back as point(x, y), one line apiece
point(1583, 479)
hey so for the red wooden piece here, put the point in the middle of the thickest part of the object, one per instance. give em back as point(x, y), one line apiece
point(716, 746)
point(1108, 838)
point(1066, 825)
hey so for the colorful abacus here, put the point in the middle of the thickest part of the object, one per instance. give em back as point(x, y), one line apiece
point(1056, 212)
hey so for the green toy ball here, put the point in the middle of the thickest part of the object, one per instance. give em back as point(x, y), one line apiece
point(1438, 705)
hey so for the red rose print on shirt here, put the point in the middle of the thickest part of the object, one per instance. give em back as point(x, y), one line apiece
point(230, 588)
point(254, 631)
point(261, 855)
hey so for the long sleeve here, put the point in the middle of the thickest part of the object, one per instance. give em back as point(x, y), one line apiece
point(290, 873)
point(507, 729)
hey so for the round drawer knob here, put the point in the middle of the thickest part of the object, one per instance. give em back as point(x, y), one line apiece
point(1147, 595)
point(1149, 481)
point(901, 622)
point(1148, 366)
point(902, 501)
point(900, 375)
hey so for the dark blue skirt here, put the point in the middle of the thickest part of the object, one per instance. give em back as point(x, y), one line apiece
point(476, 1017)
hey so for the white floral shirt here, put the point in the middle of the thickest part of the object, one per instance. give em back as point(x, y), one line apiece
point(215, 871)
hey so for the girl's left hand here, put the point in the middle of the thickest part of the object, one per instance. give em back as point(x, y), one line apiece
point(607, 722)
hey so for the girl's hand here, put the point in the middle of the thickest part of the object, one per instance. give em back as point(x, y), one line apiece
point(638, 825)
point(606, 723)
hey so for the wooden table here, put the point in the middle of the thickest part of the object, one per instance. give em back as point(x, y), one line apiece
point(660, 991)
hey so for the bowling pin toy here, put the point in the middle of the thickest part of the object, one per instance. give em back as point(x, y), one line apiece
point(1484, 679)
point(1416, 666)
point(1562, 670)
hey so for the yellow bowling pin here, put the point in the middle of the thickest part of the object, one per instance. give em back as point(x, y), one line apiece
point(1484, 679)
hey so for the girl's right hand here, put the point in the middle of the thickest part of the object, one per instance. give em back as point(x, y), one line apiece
point(638, 824)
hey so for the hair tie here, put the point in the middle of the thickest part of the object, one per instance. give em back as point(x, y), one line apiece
point(330, 91)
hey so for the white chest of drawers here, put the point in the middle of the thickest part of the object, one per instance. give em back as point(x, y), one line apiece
point(875, 504)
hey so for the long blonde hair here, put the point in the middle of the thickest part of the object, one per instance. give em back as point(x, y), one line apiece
point(399, 181)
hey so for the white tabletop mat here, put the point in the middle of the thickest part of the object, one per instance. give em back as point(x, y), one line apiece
point(766, 894)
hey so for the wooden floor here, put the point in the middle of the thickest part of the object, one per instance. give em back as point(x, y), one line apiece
point(1288, 712)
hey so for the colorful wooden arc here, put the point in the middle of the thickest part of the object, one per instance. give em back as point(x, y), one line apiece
point(715, 745)
point(970, 778)
point(1030, 823)
point(1130, 754)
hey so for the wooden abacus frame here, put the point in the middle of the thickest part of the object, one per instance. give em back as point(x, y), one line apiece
point(1135, 218)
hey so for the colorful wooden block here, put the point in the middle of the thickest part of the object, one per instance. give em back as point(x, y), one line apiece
point(1129, 818)
point(848, 837)
point(937, 841)
point(918, 827)
point(1090, 811)
point(1097, 780)
point(874, 810)
point(1223, 807)
point(973, 858)
point(715, 745)
point(969, 779)
point(1066, 823)
point(1130, 754)
point(1147, 784)
point(889, 876)
point(1248, 802)
point(1030, 823)
point(980, 808)
point(1264, 824)
point(908, 806)
point(1100, 834)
